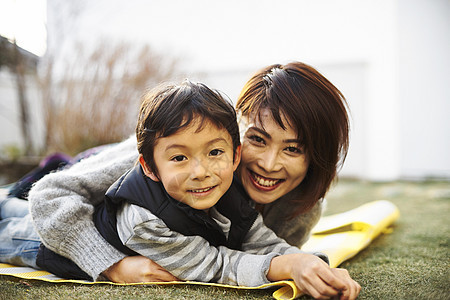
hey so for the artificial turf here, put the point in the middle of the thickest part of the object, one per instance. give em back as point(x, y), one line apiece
point(412, 262)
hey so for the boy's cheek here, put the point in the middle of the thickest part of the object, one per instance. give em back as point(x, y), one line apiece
point(224, 164)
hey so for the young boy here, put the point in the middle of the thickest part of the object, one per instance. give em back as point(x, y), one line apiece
point(180, 205)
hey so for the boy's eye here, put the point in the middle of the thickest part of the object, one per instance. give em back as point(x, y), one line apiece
point(215, 152)
point(179, 158)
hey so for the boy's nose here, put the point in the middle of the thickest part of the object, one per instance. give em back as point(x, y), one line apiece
point(199, 170)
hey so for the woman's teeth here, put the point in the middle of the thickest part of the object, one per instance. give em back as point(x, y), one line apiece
point(264, 181)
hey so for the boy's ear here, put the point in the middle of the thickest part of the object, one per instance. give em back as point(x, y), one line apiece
point(237, 157)
point(147, 171)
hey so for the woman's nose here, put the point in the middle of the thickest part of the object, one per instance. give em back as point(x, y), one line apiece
point(269, 161)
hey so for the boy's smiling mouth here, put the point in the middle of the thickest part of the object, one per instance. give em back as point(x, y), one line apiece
point(203, 190)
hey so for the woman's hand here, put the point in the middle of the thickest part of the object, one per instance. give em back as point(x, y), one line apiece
point(313, 276)
point(137, 269)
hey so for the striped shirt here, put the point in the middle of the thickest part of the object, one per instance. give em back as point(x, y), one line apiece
point(192, 258)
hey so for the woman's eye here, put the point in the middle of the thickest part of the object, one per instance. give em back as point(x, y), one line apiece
point(215, 152)
point(293, 149)
point(179, 158)
point(256, 139)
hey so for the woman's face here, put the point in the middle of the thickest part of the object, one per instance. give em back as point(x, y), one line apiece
point(273, 162)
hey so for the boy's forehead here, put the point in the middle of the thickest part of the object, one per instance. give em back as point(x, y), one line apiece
point(200, 126)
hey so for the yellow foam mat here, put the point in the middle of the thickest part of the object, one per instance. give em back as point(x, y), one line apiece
point(340, 236)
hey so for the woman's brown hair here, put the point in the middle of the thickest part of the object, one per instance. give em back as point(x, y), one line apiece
point(315, 109)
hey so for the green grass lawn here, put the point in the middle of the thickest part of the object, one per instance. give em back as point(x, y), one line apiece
point(412, 262)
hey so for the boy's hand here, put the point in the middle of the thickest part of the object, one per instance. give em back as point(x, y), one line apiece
point(352, 288)
point(137, 269)
point(313, 276)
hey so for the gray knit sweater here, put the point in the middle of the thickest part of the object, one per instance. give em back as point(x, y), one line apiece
point(62, 205)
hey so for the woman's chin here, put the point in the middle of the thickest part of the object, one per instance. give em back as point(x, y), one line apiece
point(262, 197)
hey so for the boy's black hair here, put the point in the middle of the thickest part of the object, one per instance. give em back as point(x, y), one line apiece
point(170, 107)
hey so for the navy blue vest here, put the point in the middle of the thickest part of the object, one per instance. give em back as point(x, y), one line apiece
point(136, 188)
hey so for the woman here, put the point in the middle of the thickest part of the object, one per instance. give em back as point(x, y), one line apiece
point(295, 131)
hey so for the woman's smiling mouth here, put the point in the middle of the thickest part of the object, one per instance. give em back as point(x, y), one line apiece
point(263, 182)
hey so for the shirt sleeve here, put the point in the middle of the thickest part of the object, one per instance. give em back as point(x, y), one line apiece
point(189, 257)
point(262, 240)
point(62, 207)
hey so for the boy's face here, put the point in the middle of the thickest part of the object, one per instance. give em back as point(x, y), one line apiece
point(195, 166)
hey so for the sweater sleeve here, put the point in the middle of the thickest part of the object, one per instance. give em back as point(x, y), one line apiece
point(262, 240)
point(189, 257)
point(62, 206)
point(296, 231)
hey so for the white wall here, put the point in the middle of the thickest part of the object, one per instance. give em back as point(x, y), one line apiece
point(366, 47)
point(424, 84)
point(11, 134)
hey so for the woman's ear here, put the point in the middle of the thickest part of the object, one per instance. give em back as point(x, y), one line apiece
point(237, 157)
point(147, 171)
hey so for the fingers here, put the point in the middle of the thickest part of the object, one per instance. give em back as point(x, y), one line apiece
point(318, 289)
point(152, 272)
point(160, 275)
point(137, 269)
point(330, 278)
point(315, 278)
point(332, 283)
point(351, 288)
point(340, 280)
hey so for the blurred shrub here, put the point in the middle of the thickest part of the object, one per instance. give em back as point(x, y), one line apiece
point(93, 98)
point(11, 152)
